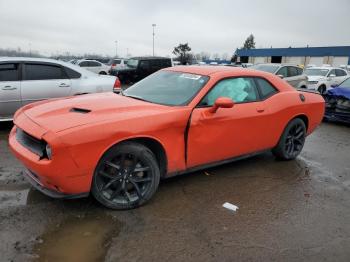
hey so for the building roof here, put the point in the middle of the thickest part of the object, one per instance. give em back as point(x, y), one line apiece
point(298, 51)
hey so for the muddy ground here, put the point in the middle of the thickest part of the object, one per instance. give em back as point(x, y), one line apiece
point(288, 211)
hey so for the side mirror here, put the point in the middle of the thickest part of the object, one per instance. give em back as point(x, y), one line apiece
point(223, 102)
point(281, 76)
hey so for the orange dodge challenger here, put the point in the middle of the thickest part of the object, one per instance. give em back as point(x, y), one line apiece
point(179, 119)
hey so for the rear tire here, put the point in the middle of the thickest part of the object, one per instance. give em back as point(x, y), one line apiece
point(103, 73)
point(126, 177)
point(291, 141)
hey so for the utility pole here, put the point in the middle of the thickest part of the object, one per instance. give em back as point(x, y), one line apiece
point(116, 48)
point(153, 26)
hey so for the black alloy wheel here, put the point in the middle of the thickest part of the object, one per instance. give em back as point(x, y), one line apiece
point(126, 177)
point(292, 140)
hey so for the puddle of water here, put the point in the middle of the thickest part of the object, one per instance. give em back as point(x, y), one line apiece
point(78, 239)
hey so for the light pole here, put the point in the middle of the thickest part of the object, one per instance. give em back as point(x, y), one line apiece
point(153, 26)
point(116, 48)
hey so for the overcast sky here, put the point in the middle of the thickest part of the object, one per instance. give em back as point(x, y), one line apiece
point(215, 26)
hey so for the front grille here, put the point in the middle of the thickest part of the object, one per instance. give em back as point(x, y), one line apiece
point(31, 143)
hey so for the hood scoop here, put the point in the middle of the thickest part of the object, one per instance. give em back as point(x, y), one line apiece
point(80, 110)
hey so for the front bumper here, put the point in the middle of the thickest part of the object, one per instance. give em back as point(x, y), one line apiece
point(60, 176)
point(331, 115)
point(35, 182)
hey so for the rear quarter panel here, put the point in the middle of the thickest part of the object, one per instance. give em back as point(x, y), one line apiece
point(285, 106)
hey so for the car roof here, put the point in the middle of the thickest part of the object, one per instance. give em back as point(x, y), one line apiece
point(211, 70)
point(149, 57)
point(278, 64)
point(324, 67)
point(47, 60)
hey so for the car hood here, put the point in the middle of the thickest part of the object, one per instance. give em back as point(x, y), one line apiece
point(124, 69)
point(339, 92)
point(61, 114)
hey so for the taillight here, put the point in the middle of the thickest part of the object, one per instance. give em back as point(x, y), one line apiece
point(113, 65)
point(117, 84)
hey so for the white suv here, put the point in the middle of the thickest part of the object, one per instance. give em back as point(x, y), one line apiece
point(322, 78)
point(93, 66)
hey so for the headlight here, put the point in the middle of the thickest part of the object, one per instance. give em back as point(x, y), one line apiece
point(48, 151)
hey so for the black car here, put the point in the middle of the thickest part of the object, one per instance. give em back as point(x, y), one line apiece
point(138, 68)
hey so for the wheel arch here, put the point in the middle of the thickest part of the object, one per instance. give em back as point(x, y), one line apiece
point(152, 144)
point(302, 117)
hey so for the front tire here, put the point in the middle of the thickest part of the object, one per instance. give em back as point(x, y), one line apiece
point(292, 140)
point(126, 177)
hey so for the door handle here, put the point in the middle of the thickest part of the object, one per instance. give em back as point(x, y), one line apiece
point(9, 88)
point(260, 110)
point(63, 85)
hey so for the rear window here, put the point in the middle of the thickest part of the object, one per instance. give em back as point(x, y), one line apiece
point(71, 73)
point(9, 72)
point(266, 89)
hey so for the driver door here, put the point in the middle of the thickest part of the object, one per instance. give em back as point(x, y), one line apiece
point(230, 132)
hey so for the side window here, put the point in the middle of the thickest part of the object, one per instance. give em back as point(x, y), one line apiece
point(144, 65)
point(300, 70)
point(43, 72)
point(84, 64)
point(292, 71)
point(71, 73)
point(240, 90)
point(9, 72)
point(94, 64)
point(340, 72)
point(283, 71)
point(332, 72)
point(266, 89)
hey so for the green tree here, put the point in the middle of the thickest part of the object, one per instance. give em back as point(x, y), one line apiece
point(182, 53)
point(249, 42)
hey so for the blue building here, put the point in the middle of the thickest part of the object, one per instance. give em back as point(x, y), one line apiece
point(332, 55)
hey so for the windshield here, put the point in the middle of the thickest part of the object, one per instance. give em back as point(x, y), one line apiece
point(167, 88)
point(266, 68)
point(316, 72)
point(346, 83)
point(133, 63)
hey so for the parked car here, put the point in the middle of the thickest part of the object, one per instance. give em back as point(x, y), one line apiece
point(138, 68)
point(26, 80)
point(93, 66)
point(101, 60)
point(177, 120)
point(338, 103)
point(116, 63)
point(322, 78)
point(292, 74)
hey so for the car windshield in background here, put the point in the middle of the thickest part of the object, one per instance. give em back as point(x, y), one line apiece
point(133, 63)
point(266, 68)
point(168, 88)
point(316, 72)
point(345, 84)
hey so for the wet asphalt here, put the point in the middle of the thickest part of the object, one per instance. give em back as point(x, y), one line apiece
point(288, 211)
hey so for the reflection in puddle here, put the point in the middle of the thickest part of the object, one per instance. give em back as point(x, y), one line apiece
point(78, 239)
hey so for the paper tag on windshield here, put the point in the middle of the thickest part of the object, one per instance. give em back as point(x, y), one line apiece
point(190, 76)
